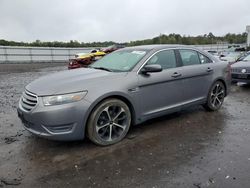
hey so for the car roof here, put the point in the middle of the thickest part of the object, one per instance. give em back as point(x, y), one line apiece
point(157, 47)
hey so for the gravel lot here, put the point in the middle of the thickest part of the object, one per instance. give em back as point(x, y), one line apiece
point(191, 148)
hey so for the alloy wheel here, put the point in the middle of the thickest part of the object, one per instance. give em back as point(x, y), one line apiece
point(112, 123)
point(217, 95)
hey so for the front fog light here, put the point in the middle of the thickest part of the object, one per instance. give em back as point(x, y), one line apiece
point(63, 99)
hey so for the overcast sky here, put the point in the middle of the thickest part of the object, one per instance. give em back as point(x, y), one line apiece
point(119, 20)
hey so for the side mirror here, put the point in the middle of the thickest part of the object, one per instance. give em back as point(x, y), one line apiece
point(151, 68)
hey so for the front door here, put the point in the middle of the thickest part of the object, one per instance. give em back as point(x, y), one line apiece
point(160, 92)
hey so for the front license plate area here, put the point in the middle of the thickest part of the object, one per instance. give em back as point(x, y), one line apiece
point(244, 76)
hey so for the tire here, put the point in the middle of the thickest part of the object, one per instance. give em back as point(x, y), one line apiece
point(215, 97)
point(109, 122)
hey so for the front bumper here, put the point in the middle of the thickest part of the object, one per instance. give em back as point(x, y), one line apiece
point(245, 78)
point(74, 66)
point(62, 122)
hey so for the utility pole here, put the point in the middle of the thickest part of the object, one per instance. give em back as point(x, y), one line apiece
point(248, 35)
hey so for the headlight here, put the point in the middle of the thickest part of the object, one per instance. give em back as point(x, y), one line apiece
point(63, 99)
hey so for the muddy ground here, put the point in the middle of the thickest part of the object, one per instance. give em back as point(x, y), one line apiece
point(191, 148)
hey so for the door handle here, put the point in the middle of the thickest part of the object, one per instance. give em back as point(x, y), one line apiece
point(176, 75)
point(210, 69)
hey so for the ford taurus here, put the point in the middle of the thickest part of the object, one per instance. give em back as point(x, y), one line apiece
point(126, 87)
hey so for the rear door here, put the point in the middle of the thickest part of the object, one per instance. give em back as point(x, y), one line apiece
point(197, 75)
point(162, 91)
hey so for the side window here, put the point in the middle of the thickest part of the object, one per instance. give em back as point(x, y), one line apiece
point(164, 58)
point(189, 57)
point(204, 59)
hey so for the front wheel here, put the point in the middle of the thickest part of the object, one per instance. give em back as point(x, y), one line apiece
point(215, 97)
point(109, 122)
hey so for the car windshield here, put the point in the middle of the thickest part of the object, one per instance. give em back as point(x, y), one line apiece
point(120, 61)
point(247, 58)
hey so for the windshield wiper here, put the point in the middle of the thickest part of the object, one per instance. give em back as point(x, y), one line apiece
point(102, 68)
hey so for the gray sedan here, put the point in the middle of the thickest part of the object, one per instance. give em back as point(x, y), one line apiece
point(125, 88)
point(241, 70)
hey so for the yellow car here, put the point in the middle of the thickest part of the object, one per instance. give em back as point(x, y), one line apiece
point(83, 59)
point(93, 53)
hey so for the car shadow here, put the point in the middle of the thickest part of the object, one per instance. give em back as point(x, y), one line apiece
point(172, 140)
point(194, 118)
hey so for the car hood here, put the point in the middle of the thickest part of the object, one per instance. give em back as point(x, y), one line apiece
point(230, 59)
point(70, 81)
point(241, 64)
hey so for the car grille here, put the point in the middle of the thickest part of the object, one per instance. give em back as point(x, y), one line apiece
point(28, 101)
point(238, 70)
point(241, 76)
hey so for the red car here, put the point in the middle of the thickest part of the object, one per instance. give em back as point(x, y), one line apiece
point(78, 63)
point(112, 48)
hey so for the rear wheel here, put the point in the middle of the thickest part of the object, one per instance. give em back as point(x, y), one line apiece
point(215, 97)
point(109, 122)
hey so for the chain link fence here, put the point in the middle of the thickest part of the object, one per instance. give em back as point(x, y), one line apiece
point(10, 54)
